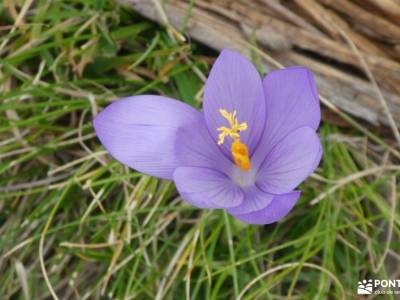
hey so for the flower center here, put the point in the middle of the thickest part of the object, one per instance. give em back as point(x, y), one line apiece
point(239, 150)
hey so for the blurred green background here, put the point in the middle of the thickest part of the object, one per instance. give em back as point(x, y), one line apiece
point(76, 224)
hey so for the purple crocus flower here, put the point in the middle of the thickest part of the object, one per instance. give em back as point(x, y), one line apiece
point(246, 152)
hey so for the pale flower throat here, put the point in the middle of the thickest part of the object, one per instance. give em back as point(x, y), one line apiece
point(239, 150)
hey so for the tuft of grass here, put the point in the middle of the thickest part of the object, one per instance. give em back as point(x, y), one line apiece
point(75, 224)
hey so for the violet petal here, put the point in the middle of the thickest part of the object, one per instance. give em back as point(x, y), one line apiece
point(279, 207)
point(196, 148)
point(140, 132)
point(234, 84)
point(207, 188)
point(290, 162)
point(291, 102)
point(254, 200)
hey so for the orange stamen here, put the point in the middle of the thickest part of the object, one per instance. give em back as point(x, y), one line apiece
point(240, 152)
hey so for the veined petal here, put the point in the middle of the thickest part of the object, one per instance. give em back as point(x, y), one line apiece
point(196, 148)
point(254, 200)
point(235, 85)
point(207, 188)
point(290, 161)
point(140, 132)
point(279, 207)
point(291, 102)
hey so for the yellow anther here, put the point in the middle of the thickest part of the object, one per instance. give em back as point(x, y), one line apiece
point(235, 126)
point(240, 152)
